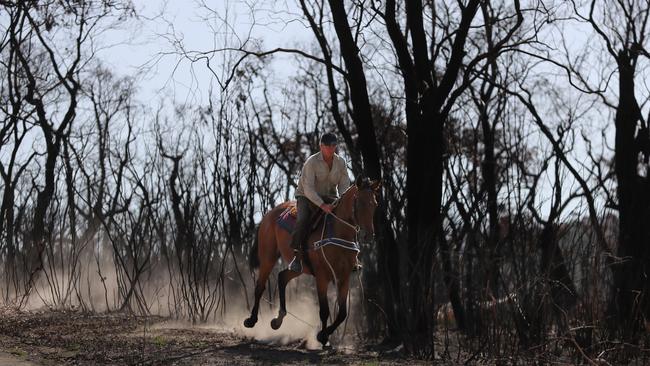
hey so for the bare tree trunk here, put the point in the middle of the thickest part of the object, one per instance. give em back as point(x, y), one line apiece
point(630, 300)
point(356, 78)
point(362, 115)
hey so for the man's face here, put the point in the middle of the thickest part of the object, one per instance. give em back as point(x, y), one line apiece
point(328, 150)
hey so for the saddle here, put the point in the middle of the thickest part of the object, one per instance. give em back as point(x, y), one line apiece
point(288, 217)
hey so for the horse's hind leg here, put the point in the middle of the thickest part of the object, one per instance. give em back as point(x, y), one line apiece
point(264, 272)
point(283, 279)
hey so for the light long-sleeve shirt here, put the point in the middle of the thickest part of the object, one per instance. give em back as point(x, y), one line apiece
point(317, 180)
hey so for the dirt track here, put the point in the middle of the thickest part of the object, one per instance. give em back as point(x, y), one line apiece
point(8, 359)
point(53, 338)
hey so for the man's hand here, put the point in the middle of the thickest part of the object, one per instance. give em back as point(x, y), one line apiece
point(326, 207)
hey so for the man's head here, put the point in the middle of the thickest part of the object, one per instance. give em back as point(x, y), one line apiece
point(328, 144)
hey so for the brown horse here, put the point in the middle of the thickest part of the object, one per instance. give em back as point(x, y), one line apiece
point(353, 222)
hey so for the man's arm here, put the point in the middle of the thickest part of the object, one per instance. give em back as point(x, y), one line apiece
point(308, 184)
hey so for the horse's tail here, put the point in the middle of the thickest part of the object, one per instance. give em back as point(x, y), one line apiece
point(253, 257)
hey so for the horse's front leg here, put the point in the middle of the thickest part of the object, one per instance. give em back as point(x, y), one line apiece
point(283, 279)
point(342, 297)
point(321, 287)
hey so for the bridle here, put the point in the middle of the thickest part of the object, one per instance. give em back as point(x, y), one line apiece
point(355, 224)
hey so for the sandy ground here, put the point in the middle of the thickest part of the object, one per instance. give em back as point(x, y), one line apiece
point(8, 359)
point(74, 338)
point(30, 338)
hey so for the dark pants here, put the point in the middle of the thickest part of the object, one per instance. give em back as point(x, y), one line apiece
point(306, 210)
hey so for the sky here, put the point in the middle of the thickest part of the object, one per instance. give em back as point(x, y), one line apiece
point(151, 52)
point(149, 47)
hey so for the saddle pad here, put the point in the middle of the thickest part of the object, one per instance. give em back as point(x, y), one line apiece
point(287, 219)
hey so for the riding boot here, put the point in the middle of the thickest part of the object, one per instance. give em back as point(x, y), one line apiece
point(296, 263)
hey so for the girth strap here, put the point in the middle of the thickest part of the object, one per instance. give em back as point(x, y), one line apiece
point(350, 245)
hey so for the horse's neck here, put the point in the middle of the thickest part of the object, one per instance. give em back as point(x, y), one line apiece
point(345, 207)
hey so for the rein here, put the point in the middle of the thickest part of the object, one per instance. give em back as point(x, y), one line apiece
point(355, 227)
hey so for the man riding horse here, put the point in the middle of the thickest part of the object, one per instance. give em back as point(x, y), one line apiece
point(332, 258)
point(322, 179)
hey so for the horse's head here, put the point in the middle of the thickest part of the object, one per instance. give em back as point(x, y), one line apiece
point(365, 204)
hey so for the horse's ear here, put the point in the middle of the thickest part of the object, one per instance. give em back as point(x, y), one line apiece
point(375, 185)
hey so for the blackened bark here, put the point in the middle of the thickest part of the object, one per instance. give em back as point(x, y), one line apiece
point(451, 277)
point(489, 184)
point(489, 164)
point(333, 92)
point(362, 114)
point(629, 301)
point(53, 135)
point(426, 118)
point(562, 288)
point(489, 180)
point(426, 147)
point(424, 193)
point(356, 78)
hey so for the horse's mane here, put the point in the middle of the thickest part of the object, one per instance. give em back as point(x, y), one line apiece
point(359, 184)
point(364, 183)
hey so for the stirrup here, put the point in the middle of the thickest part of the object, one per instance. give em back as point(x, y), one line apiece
point(295, 265)
point(357, 267)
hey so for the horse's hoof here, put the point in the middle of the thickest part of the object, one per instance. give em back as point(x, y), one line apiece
point(322, 338)
point(250, 322)
point(276, 323)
